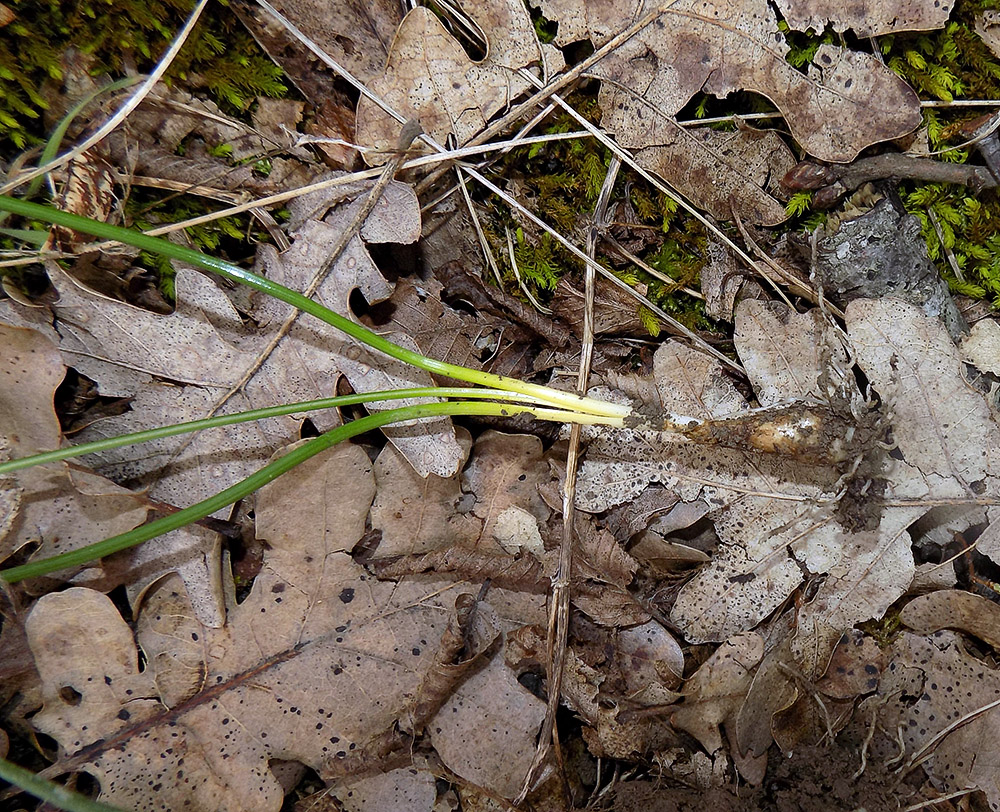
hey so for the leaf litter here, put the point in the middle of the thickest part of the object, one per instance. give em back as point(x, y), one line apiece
point(396, 630)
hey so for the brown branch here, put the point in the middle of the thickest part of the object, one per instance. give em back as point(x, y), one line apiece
point(808, 175)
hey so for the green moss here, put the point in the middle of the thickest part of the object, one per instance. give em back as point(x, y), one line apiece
point(802, 46)
point(950, 62)
point(562, 181)
point(966, 227)
point(226, 237)
point(884, 630)
point(220, 56)
point(960, 229)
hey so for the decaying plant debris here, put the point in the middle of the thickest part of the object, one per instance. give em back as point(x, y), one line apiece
point(780, 593)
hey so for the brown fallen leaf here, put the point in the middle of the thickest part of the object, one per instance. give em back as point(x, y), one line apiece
point(865, 19)
point(57, 507)
point(180, 366)
point(486, 731)
point(505, 470)
point(947, 712)
point(418, 514)
point(290, 675)
point(715, 692)
point(403, 788)
point(430, 78)
point(729, 174)
point(854, 669)
point(844, 102)
point(954, 609)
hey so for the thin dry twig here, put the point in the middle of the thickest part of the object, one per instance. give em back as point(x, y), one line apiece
point(897, 166)
point(558, 630)
point(362, 175)
point(931, 801)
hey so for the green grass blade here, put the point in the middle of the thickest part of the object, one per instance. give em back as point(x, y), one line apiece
point(106, 231)
point(173, 430)
point(49, 791)
point(269, 473)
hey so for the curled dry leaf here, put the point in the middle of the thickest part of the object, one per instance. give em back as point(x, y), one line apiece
point(954, 609)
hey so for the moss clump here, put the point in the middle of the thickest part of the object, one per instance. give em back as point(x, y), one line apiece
point(948, 63)
point(962, 230)
point(562, 181)
point(226, 237)
point(220, 55)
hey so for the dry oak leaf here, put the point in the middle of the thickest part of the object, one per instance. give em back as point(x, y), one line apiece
point(866, 18)
point(418, 514)
point(954, 609)
point(846, 101)
point(486, 730)
point(942, 426)
point(714, 694)
point(178, 367)
point(356, 33)
point(429, 76)
point(730, 175)
point(948, 442)
point(58, 507)
point(761, 503)
point(317, 661)
point(316, 355)
point(403, 788)
point(948, 717)
point(766, 509)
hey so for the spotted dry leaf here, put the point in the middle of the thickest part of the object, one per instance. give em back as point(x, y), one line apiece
point(429, 76)
point(866, 18)
point(941, 425)
point(954, 609)
point(843, 103)
point(948, 442)
point(782, 519)
point(731, 175)
point(290, 675)
point(945, 712)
